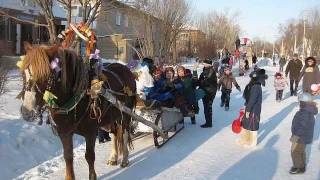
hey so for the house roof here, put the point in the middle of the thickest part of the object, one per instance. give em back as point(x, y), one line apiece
point(17, 5)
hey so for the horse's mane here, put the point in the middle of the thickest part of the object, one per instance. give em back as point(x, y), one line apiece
point(74, 75)
point(38, 61)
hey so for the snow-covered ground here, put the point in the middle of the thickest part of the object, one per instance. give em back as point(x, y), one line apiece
point(195, 153)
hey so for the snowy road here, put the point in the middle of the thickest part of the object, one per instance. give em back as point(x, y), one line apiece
point(197, 153)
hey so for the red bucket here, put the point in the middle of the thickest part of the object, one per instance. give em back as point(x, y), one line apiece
point(236, 126)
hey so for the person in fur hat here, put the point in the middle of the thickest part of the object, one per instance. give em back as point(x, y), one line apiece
point(302, 132)
point(208, 82)
point(280, 84)
point(251, 119)
point(225, 82)
point(310, 74)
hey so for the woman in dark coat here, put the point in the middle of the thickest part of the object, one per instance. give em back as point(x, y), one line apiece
point(310, 74)
point(254, 59)
point(251, 120)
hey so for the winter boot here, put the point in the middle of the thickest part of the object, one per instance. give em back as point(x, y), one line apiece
point(253, 138)
point(294, 170)
point(193, 120)
point(221, 104)
point(206, 126)
point(226, 108)
point(244, 138)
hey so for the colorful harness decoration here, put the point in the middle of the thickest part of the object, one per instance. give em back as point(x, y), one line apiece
point(49, 98)
point(82, 31)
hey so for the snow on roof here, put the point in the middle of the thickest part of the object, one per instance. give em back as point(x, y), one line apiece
point(28, 8)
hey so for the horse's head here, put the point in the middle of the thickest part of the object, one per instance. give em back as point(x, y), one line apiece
point(36, 72)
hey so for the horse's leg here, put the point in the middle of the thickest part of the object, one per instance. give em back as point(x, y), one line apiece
point(90, 155)
point(113, 159)
point(125, 158)
point(68, 155)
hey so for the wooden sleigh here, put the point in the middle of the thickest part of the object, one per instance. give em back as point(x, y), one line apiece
point(164, 122)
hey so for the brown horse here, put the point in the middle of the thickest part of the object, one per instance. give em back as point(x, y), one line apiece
point(71, 113)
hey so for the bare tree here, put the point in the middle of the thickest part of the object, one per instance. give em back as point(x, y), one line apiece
point(3, 79)
point(303, 32)
point(165, 17)
point(46, 7)
point(221, 31)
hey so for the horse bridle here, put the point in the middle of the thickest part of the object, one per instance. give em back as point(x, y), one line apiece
point(29, 85)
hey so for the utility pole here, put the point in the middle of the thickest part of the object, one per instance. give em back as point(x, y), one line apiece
point(304, 38)
point(282, 48)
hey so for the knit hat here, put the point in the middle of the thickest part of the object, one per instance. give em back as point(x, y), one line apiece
point(278, 74)
point(305, 97)
point(158, 71)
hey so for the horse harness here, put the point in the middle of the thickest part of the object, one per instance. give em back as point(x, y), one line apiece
point(93, 105)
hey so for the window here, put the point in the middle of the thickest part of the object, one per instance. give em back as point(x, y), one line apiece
point(3, 27)
point(120, 51)
point(28, 3)
point(126, 20)
point(118, 18)
point(9, 36)
point(76, 11)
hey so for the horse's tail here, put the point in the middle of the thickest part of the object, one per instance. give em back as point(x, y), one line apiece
point(119, 138)
point(132, 127)
point(126, 128)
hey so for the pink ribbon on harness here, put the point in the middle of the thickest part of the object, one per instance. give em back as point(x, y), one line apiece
point(96, 54)
point(54, 65)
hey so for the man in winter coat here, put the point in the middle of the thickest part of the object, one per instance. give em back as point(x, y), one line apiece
point(310, 74)
point(302, 132)
point(208, 82)
point(251, 120)
point(293, 68)
point(254, 59)
point(282, 62)
point(226, 81)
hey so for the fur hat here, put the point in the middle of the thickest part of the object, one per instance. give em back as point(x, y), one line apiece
point(305, 97)
point(169, 69)
point(312, 59)
point(207, 61)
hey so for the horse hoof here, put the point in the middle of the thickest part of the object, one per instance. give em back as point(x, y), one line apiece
point(112, 163)
point(93, 176)
point(124, 164)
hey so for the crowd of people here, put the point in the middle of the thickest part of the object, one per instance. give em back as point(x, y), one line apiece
point(182, 88)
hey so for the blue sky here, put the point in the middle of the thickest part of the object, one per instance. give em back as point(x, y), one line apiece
point(258, 18)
